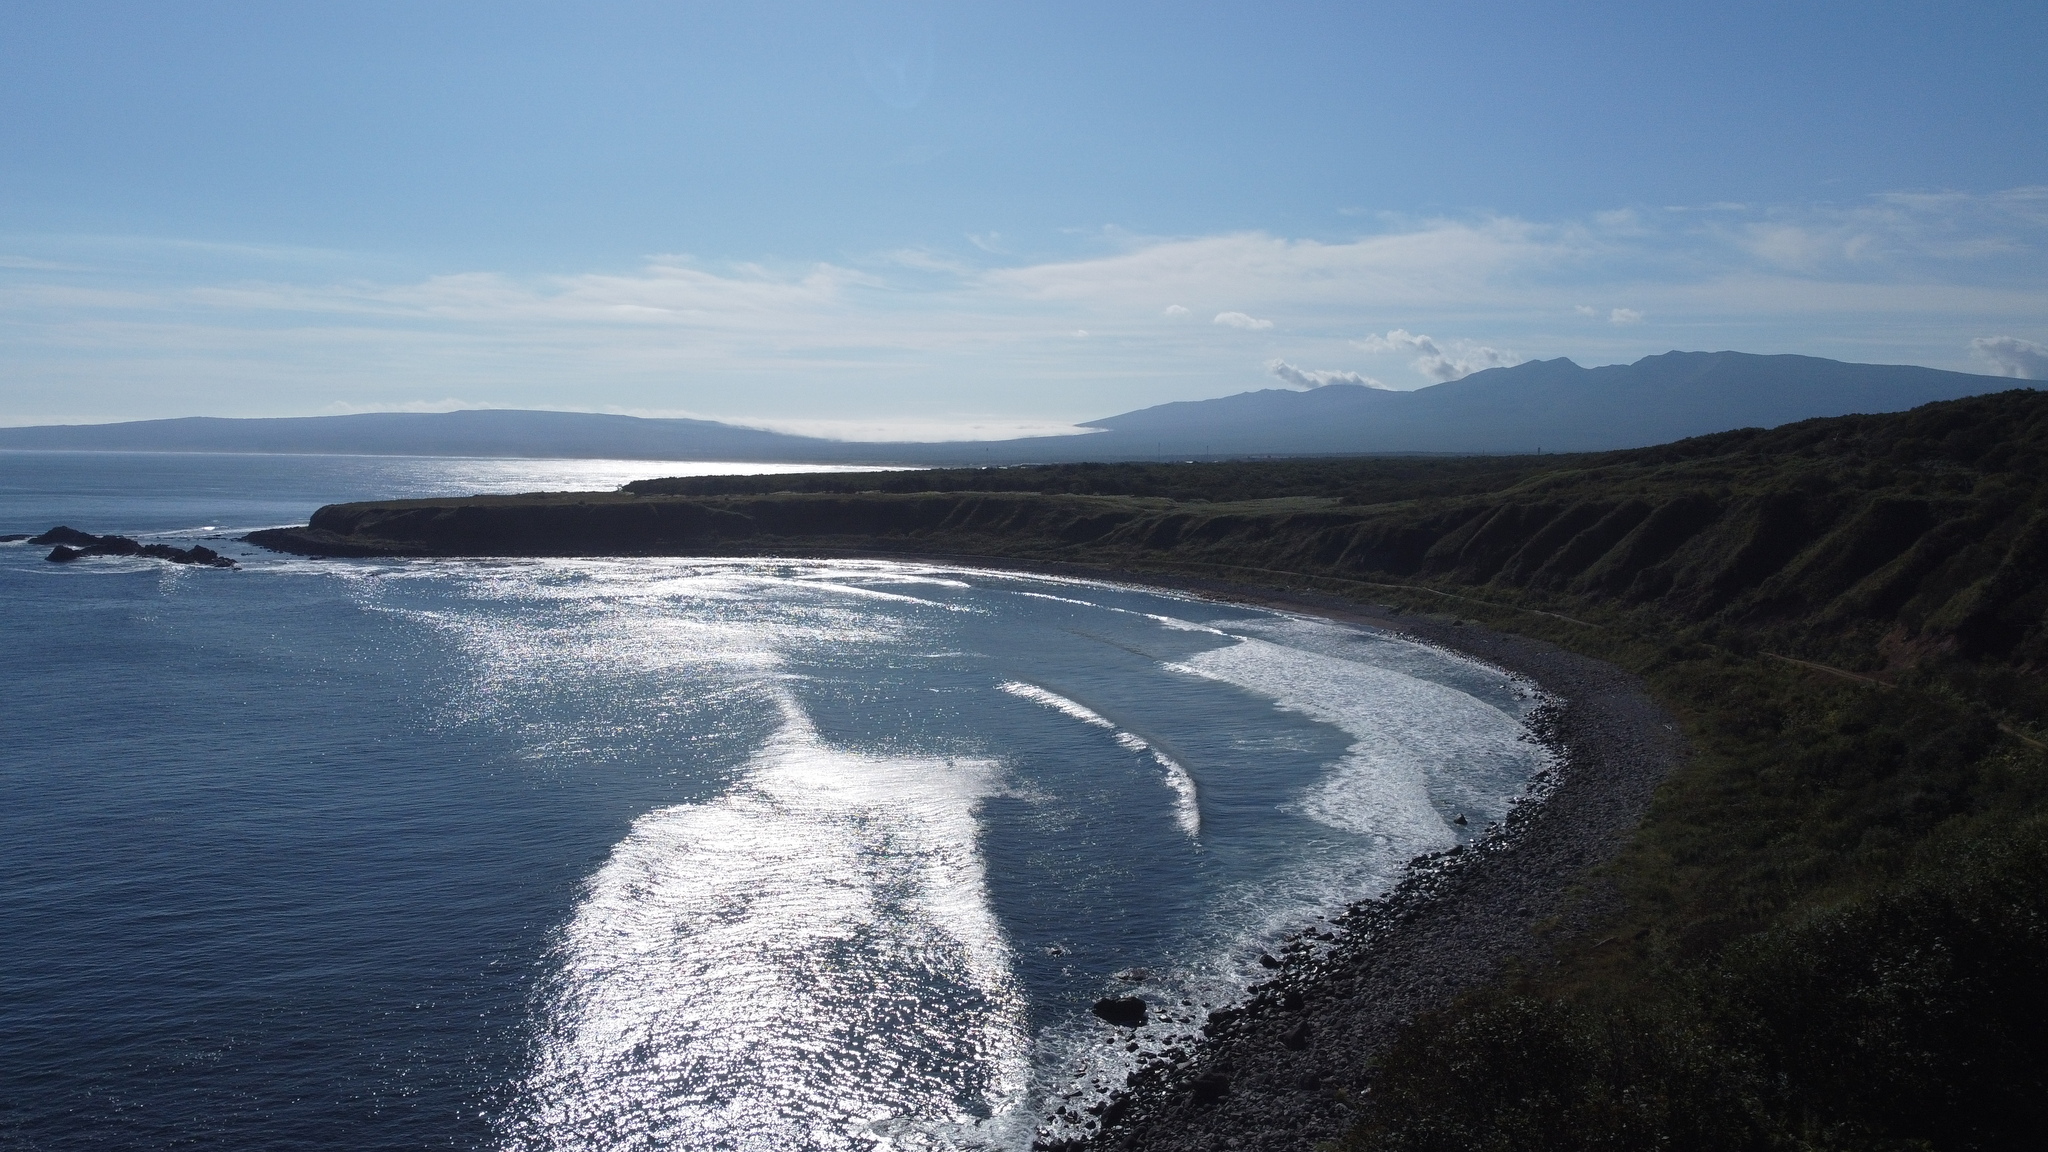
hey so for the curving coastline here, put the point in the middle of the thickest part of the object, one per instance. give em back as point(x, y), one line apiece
point(1283, 1070)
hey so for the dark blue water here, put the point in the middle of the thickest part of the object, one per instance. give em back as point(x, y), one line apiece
point(645, 854)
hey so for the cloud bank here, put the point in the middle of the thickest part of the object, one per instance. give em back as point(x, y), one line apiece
point(1460, 360)
point(2010, 356)
point(1316, 378)
point(105, 328)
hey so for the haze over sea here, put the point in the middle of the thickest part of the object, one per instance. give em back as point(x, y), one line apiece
point(695, 853)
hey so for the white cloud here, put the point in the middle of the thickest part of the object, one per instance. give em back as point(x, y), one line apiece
point(1240, 320)
point(1316, 378)
point(1440, 364)
point(2011, 356)
point(1624, 316)
point(1889, 233)
point(171, 328)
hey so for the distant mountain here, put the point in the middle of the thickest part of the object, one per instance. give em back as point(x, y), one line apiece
point(1551, 405)
point(482, 432)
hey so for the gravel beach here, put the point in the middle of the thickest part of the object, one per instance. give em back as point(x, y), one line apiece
point(1276, 1070)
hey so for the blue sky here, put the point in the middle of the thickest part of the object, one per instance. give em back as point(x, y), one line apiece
point(970, 219)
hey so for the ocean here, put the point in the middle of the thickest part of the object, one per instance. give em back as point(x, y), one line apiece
point(652, 853)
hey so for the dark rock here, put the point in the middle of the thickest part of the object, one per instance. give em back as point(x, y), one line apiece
point(90, 545)
point(1210, 1087)
point(113, 546)
point(1296, 1037)
point(13, 537)
point(1291, 1000)
point(1460, 821)
point(1266, 960)
point(1122, 1011)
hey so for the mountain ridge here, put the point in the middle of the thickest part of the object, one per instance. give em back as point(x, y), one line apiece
point(1540, 405)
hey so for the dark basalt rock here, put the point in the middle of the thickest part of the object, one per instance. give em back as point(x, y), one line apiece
point(1210, 1087)
point(13, 537)
point(1267, 960)
point(1122, 1011)
point(91, 545)
point(1296, 1037)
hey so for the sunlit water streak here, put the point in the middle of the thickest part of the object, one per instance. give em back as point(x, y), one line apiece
point(808, 961)
point(669, 853)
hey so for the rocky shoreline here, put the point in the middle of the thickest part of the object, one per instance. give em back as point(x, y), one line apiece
point(1285, 1069)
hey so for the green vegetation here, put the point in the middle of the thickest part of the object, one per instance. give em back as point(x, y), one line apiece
point(1835, 936)
point(1832, 930)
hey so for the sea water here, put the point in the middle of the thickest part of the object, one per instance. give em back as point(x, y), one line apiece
point(652, 853)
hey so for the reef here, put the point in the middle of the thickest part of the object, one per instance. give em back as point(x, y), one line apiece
point(71, 544)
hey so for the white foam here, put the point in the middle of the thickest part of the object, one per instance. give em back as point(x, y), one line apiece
point(1056, 702)
point(1057, 599)
point(1404, 730)
point(1187, 808)
point(1187, 805)
point(807, 961)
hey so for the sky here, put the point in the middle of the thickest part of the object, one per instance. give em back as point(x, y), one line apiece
point(939, 220)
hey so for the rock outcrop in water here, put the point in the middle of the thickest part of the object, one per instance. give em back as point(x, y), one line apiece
point(1122, 1011)
point(71, 544)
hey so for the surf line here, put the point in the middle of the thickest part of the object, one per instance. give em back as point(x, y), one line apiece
point(1187, 808)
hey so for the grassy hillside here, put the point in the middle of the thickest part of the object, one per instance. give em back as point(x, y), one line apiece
point(1831, 931)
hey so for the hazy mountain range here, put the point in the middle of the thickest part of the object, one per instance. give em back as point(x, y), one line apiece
point(1547, 405)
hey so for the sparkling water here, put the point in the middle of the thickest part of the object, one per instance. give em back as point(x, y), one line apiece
point(652, 853)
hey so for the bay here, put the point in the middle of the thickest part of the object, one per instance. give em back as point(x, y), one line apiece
point(686, 853)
